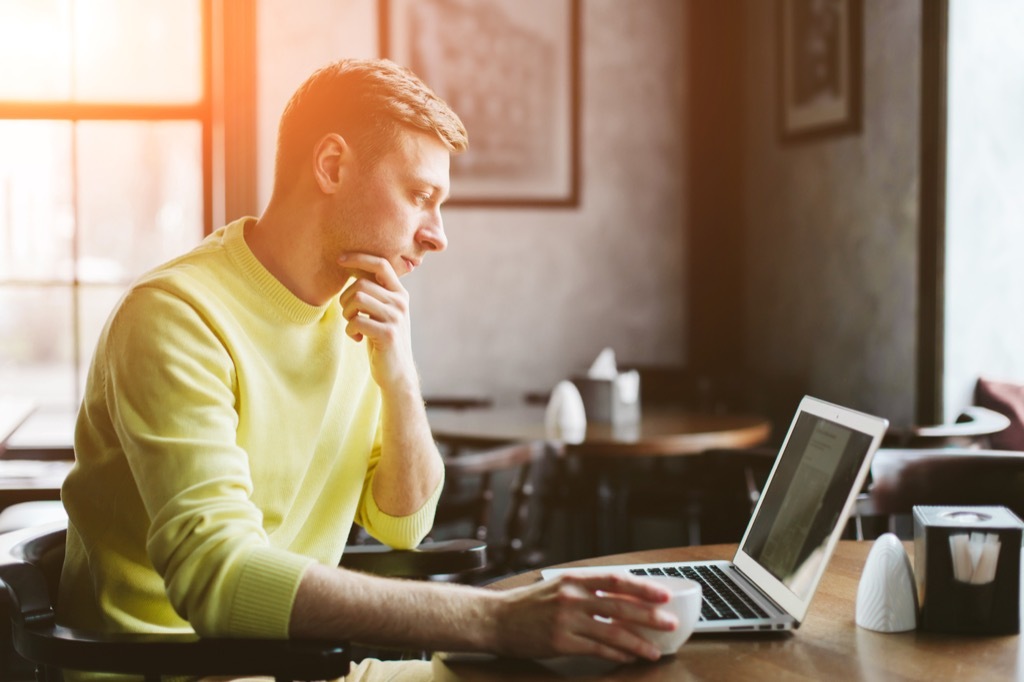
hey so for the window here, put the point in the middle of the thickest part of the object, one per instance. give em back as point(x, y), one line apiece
point(105, 157)
point(982, 290)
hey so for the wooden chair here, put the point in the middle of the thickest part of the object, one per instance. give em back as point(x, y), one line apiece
point(712, 493)
point(30, 563)
point(903, 478)
point(472, 480)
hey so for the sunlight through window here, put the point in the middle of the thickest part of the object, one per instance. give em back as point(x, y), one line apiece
point(103, 115)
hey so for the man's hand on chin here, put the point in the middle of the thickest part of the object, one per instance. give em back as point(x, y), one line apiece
point(376, 306)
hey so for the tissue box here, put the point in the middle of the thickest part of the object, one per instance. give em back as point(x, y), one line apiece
point(612, 401)
point(949, 605)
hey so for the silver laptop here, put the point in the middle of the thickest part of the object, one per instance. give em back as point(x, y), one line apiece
point(796, 524)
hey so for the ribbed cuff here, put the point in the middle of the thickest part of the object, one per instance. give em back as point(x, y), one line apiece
point(266, 591)
point(403, 532)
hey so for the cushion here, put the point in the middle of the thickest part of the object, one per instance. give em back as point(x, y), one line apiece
point(1008, 399)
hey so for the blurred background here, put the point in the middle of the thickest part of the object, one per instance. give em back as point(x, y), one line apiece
point(875, 266)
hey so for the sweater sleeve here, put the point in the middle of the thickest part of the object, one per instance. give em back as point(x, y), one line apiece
point(170, 391)
point(400, 532)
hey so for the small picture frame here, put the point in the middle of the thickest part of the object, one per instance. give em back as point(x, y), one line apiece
point(820, 55)
point(510, 70)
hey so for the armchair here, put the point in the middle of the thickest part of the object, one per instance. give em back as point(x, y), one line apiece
point(975, 430)
point(30, 563)
point(945, 476)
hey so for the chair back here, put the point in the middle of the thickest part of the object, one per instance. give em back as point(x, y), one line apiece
point(30, 564)
point(903, 478)
point(471, 490)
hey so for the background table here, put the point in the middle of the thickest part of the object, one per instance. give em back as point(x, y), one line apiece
point(13, 413)
point(25, 480)
point(828, 645)
point(604, 452)
point(660, 431)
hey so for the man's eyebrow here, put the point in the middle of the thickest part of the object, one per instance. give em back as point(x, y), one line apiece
point(428, 181)
point(438, 190)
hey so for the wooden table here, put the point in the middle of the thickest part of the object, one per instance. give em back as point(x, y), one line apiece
point(661, 432)
point(31, 480)
point(25, 480)
point(13, 413)
point(827, 646)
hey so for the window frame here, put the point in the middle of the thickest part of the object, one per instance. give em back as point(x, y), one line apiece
point(225, 112)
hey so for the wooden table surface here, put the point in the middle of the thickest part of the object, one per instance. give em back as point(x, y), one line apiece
point(827, 646)
point(660, 431)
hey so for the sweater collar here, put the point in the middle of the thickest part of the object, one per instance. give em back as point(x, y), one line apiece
point(278, 295)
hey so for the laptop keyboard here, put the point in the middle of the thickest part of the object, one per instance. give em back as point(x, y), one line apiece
point(723, 600)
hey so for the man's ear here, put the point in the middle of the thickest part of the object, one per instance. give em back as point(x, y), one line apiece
point(330, 156)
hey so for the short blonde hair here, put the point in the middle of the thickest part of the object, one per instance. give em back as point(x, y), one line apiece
point(366, 101)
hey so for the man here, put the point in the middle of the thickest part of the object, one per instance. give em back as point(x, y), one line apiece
point(250, 400)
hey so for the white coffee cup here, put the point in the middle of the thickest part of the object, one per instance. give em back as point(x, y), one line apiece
point(684, 605)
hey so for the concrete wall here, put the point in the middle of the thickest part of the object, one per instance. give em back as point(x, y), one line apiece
point(524, 297)
point(832, 226)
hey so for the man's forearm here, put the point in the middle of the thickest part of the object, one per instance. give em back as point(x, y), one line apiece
point(593, 614)
point(346, 605)
point(410, 467)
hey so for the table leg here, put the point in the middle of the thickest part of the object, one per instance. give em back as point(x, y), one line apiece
point(610, 508)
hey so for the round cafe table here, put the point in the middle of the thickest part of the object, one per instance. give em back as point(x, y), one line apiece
point(827, 646)
point(602, 447)
point(659, 432)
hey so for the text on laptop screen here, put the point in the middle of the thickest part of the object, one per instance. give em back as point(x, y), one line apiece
point(807, 494)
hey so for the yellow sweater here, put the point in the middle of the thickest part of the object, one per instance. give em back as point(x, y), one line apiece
point(227, 438)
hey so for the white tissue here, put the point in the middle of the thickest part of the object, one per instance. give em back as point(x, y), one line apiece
point(604, 367)
point(565, 418)
point(974, 557)
point(627, 386)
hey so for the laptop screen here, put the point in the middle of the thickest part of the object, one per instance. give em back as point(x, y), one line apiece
point(800, 508)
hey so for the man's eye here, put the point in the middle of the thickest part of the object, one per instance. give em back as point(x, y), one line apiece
point(421, 197)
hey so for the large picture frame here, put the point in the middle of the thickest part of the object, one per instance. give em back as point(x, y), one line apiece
point(510, 70)
point(820, 54)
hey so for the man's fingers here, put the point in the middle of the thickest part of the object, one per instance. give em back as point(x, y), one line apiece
point(631, 611)
point(364, 327)
point(620, 583)
point(612, 639)
point(369, 305)
point(605, 609)
point(377, 267)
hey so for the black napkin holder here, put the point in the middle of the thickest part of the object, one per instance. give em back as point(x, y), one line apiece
point(605, 402)
point(952, 606)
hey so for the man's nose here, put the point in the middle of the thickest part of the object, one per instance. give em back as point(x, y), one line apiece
point(432, 235)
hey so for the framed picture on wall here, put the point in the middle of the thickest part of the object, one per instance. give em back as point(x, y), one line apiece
point(819, 67)
point(510, 70)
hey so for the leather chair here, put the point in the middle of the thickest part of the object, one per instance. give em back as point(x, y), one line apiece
point(973, 429)
point(30, 563)
point(903, 478)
